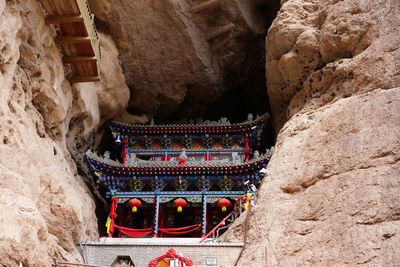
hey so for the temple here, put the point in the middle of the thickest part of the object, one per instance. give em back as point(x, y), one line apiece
point(177, 180)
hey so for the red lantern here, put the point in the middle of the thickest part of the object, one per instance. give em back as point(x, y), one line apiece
point(135, 203)
point(180, 203)
point(223, 203)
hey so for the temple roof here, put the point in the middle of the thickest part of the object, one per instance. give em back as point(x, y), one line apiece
point(222, 126)
point(141, 167)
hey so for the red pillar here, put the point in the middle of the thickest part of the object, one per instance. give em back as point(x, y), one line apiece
point(121, 221)
point(247, 149)
point(165, 157)
point(124, 154)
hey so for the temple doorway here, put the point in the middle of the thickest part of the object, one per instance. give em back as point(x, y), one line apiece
point(141, 219)
point(171, 218)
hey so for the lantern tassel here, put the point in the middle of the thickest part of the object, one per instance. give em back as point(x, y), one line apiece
point(223, 209)
point(134, 209)
point(179, 209)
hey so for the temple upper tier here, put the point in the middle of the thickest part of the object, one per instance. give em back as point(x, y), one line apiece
point(205, 141)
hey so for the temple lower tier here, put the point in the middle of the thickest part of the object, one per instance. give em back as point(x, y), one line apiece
point(172, 201)
point(150, 214)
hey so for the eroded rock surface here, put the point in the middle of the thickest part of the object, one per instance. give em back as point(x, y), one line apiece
point(171, 54)
point(45, 207)
point(321, 51)
point(332, 196)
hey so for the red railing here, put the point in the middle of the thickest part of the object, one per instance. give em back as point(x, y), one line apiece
point(180, 230)
point(143, 232)
point(134, 232)
point(223, 222)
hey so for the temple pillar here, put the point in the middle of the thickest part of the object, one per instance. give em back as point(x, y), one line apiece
point(247, 149)
point(165, 157)
point(204, 222)
point(124, 154)
point(157, 212)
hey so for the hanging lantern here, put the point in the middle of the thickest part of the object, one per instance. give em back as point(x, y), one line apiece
point(223, 203)
point(135, 203)
point(180, 203)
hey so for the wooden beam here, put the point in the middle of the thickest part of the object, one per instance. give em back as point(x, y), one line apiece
point(78, 59)
point(205, 5)
point(54, 19)
point(219, 31)
point(84, 79)
point(71, 39)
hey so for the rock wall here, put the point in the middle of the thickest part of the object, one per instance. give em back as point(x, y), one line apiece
point(321, 51)
point(45, 207)
point(332, 196)
point(173, 55)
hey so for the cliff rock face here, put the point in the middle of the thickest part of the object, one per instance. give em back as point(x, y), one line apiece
point(321, 51)
point(172, 53)
point(45, 207)
point(332, 196)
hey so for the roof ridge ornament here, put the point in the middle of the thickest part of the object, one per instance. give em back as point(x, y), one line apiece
point(223, 121)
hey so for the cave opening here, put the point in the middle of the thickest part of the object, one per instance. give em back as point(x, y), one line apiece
point(244, 95)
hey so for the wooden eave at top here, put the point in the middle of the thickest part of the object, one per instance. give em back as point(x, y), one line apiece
point(137, 129)
point(77, 37)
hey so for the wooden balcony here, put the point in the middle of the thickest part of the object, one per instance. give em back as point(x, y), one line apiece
point(77, 37)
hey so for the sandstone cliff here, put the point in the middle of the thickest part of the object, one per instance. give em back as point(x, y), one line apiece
point(332, 196)
point(333, 80)
point(45, 207)
point(179, 57)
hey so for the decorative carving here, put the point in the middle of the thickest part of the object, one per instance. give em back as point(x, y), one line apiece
point(130, 160)
point(204, 184)
point(225, 184)
point(183, 155)
point(235, 158)
point(166, 142)
point(135, 184)
point(227, 141)
point(158, 184)
point(187, 141)
point(93, 155)
point(147, 142)
point(181, 184)
point(208, 142)
point(256, 154)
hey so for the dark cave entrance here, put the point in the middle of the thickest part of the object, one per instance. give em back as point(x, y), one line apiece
point(244, 97)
